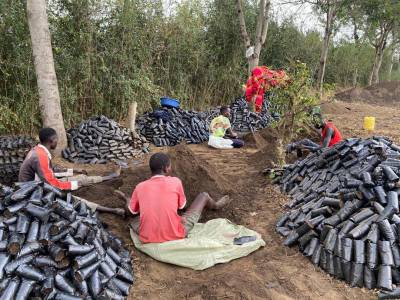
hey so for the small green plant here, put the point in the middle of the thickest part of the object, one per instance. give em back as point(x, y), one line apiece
point(294, 102)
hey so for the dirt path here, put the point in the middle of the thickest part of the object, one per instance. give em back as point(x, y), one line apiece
point(273, 272)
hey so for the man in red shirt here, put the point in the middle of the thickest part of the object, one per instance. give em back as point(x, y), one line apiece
point(158, 200)
point(37, 166)
point(330, 136)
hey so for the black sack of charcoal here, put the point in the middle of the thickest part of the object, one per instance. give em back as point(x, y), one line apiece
point(49, 255)
point(362, 226)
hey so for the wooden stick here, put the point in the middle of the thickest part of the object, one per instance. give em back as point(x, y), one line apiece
point(132, 115)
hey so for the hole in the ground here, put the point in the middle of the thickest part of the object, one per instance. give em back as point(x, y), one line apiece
point(196, 174)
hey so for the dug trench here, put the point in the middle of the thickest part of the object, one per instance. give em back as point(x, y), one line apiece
point(273, 272)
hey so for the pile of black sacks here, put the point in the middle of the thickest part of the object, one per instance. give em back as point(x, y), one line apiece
point(243, 120)
point(52, 246)
point(100, 140)
point(344, 211)
point(171, 126)
point(13, 150)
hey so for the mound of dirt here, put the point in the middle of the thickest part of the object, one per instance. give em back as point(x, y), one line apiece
point(383, 93)
point(255, 140)
point(271, 152)
point(197, 175)
point(335, 108)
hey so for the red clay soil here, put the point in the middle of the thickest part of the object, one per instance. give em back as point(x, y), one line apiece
point(273, 272)
point(350, 121)
point(384, 93)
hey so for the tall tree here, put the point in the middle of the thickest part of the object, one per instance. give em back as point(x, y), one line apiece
point(331, 11)
point(49, 98)
point(393, 49)
point(382, 16)
point(261, 31)
point(355, 18)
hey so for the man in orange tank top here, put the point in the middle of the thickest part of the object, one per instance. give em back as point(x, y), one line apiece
point(330, 136)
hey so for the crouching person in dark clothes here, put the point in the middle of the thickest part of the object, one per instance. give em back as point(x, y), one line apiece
point(330, 136)
point(157, 200)
point(37, 166)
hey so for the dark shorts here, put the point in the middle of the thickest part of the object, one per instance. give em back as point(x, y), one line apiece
point(236, 143)
point(188, 220)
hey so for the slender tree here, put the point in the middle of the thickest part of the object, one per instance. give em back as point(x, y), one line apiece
point(393, 51)
point(382, 17)
point(331, 10)
point(49, 98)
point(261, 31)
point(355, 18)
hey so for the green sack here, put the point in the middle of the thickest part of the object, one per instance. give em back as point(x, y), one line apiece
point(207, 244)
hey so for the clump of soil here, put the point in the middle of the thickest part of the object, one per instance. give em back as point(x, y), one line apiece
point(254, 139)
point(383, 93)
point(197, 175)
point(272, 152)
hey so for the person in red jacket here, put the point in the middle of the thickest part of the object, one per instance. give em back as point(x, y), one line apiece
point(330, 136)
point(255, 88)
point(37, 166)
point(263, 79)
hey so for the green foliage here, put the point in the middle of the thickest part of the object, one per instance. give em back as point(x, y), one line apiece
point(111, 52)
point(8, 120)
point(295, 101)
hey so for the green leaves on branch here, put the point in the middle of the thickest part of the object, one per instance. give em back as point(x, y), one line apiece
point(295, 101)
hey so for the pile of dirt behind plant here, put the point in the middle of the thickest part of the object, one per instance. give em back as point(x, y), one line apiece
point(382, 93)
point(335, 107)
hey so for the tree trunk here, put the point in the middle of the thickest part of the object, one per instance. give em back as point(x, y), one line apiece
point(261, 31)
point(49, 98)
point(357, 43)
point(252, 62)
point(243, 31)
point(379, 51)
point(355, 76)
point(376, 73)
point(374, 76)
point(371, 75)
point(392, 58)
point(132, 116)
point(325, 49)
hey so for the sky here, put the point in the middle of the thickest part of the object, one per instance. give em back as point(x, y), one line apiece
point(306, 19)
point(303, 16)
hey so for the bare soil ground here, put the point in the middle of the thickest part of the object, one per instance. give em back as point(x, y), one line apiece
point(387, 92)
point(273, 272)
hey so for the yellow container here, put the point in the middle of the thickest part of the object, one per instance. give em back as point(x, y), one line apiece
point(369, 123)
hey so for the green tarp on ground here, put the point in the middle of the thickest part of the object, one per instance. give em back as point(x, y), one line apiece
point(208, 244)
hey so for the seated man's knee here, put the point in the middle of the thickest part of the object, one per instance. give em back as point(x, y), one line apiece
point(238, 143)
point(204, 195)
